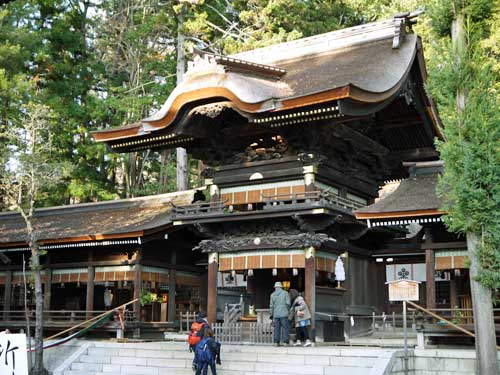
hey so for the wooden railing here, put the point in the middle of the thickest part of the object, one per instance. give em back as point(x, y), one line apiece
point(58, 318)
point(198, 208)
point(275, 201)
point(308, 197)
point(234, 311)
point(339, 201)
point(186, 319)
point(244, 332)
point(417, 320)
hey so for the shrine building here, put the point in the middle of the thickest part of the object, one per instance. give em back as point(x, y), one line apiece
point(315, 150)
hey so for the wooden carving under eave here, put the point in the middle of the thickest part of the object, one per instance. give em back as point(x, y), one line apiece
point(300, 241)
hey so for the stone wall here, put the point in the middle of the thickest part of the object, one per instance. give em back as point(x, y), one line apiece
point(54, 357)
point(434, 362)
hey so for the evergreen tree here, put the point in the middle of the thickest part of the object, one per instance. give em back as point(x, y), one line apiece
point(466, 84)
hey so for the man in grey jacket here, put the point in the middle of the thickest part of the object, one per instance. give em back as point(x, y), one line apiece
point(279, 306)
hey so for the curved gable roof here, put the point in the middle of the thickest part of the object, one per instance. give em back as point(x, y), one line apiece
point(359, 63)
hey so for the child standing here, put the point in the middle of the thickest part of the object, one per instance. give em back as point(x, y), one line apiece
point(207, 353)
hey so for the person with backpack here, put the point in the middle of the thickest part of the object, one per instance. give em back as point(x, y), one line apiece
point(198, 328)
point(300, 314)
point(207, 353)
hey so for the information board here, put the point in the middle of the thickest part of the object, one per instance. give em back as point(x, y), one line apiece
point(403, 290)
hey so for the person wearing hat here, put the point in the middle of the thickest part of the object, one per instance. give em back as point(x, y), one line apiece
point(279, 306)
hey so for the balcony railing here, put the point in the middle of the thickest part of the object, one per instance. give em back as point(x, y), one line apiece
point(198, 208)
point(318, 197)
point(270, 202)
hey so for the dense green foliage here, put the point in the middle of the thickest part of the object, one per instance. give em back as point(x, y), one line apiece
point(470, 185)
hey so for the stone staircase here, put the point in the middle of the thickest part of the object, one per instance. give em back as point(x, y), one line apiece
point(173, 358)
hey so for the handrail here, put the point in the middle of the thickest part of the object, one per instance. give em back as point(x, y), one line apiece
point(92, 319)
point(443, 319)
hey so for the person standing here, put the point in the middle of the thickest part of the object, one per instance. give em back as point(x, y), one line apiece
point(300, 314)
point(279, 305)
point(197, 333)
point(207, 353)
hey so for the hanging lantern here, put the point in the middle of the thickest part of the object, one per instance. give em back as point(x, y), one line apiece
point(295, 272)
point(275, 272)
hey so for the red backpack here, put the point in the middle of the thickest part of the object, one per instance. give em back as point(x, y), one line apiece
point(196, 333)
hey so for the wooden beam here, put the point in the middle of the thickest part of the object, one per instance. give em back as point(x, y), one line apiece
point(415, 154)
point(445, 245)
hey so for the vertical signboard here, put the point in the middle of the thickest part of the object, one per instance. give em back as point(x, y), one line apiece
point(404, 290)
point(13, 354)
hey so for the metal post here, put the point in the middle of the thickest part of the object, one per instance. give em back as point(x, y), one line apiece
point(405, 338)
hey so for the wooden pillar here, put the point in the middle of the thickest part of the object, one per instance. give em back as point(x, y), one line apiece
point(430, 283)
point(48, 289)
point(138, 284)
point(172, 288)
point(310, 286)
point(7, 294)
point(453, 291)
point(430, 270)
point(90, 290)
point(213, 267)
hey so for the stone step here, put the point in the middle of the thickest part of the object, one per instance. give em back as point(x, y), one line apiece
point(175, 358)
point(146, 359)
point(78, 372)
point(80, 366)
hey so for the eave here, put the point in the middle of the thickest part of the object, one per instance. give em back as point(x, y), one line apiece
point(398, 214)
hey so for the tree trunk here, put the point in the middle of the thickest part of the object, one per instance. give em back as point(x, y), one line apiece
point(38, 368)
point(484, 324)
point(165, 157)
point(182, 171)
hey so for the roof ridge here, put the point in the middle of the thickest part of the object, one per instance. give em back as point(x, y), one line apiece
point(320, 43)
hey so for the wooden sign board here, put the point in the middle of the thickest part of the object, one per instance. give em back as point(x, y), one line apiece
point(13, 354)
point(403, 290)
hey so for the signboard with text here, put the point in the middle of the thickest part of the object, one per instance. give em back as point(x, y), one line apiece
point(13, 354)
point(403, 290)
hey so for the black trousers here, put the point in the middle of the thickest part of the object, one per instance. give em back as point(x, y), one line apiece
point(302, 333)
